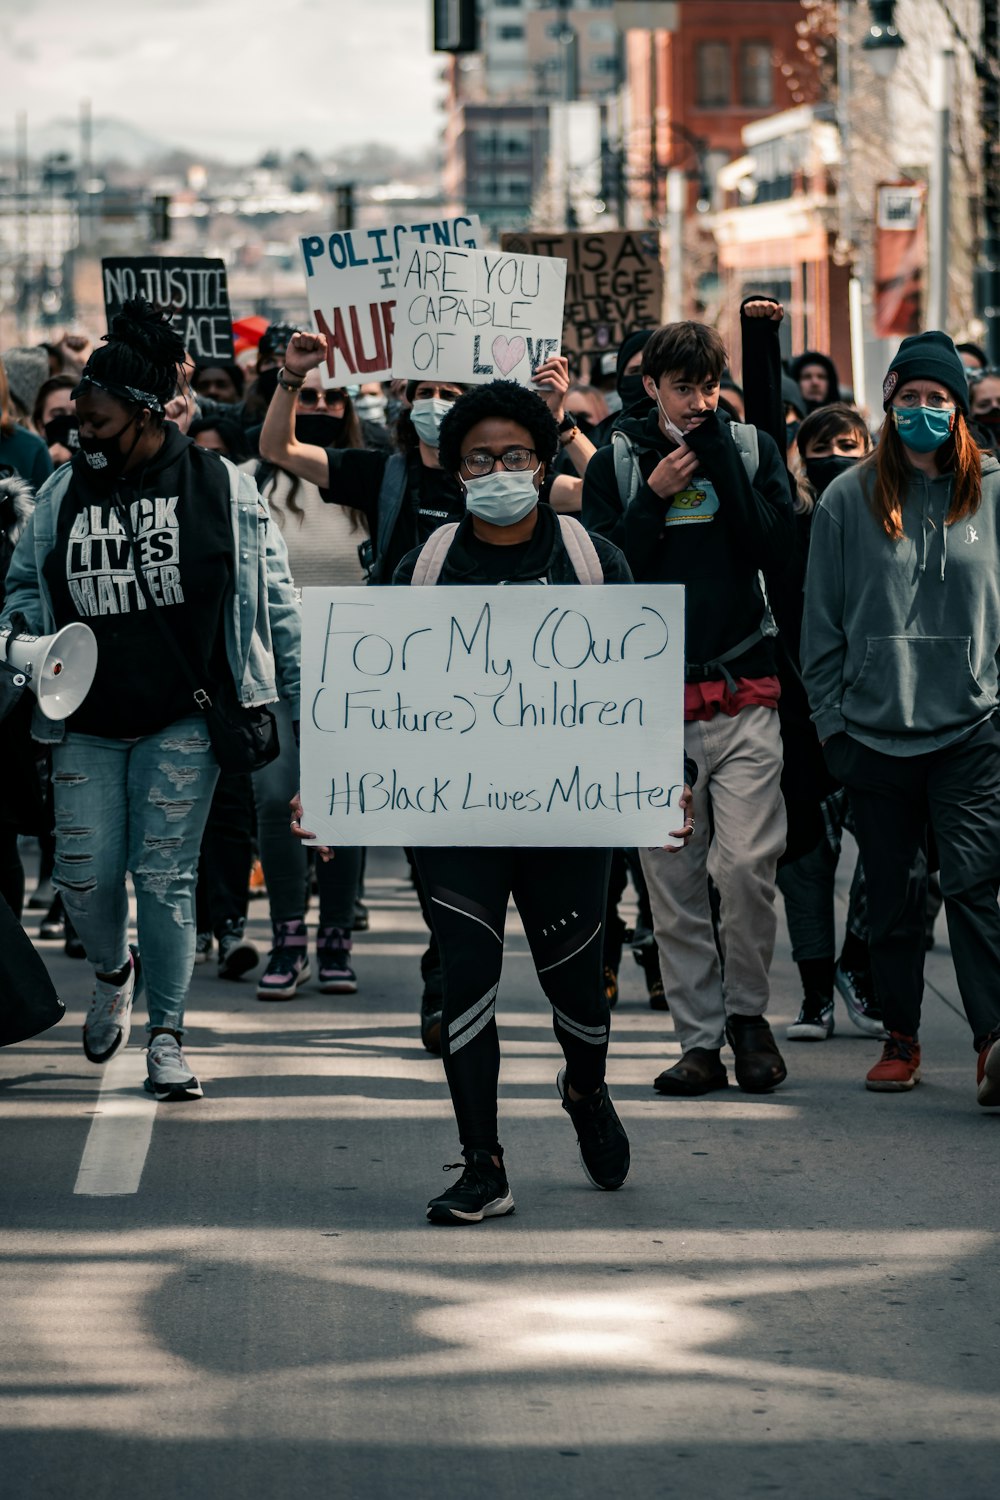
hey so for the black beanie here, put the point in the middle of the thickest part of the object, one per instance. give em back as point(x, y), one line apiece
point(629, 346)
point(928, 356)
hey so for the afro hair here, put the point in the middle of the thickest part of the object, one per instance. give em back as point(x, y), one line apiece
point(504, 399)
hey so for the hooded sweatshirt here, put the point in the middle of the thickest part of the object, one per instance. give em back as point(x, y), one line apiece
point(900, 639)
point(714, 539)
point(813, 357)
point(180, 510)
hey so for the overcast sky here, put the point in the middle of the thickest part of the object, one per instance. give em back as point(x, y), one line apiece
point(231, 76)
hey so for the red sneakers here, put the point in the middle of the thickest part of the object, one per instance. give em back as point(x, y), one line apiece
point(988, 1075)
point(899, 1066)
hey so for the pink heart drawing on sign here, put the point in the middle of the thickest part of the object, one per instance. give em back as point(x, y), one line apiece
point(508, 352)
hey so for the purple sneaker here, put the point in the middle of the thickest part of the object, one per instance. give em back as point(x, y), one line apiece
point(288, 966)
point(333, 957)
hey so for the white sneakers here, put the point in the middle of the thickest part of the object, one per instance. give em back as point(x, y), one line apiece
point(109, 1020)
point(169, 1078)
point(109, 1025)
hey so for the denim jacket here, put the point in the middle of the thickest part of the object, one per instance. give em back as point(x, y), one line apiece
point(263, 623)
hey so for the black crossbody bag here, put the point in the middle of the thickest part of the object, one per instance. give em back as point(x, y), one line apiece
point(243, 739)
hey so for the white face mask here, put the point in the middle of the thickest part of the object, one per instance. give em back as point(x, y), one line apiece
point(502, 498)
point(426, 415)
point(372, 407)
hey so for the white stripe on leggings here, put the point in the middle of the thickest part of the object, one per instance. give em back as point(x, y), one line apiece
point(597, 1035)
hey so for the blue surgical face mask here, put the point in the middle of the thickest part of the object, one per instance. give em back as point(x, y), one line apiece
point(426, 416)
point(502, 498)
point(923, 428)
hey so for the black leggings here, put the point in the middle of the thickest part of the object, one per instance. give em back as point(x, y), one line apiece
point(561, 895)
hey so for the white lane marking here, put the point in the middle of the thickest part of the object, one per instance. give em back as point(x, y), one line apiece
point(119, 1136)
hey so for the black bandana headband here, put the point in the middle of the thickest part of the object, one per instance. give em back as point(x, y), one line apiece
point(120, 392)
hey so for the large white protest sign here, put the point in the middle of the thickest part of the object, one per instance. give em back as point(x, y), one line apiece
point(476, 315)
point(493, 716)
point(351, 290)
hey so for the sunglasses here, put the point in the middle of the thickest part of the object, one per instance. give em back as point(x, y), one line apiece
point(308, 398)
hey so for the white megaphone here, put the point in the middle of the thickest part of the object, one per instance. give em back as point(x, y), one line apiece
point(60, 668)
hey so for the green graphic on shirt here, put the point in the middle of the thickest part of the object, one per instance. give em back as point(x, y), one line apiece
point(697, 503)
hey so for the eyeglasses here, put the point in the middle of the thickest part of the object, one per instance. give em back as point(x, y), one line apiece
point(975, 376)
point(515, 460)
point(309, 397)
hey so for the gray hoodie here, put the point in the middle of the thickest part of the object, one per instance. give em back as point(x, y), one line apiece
point(900, 639)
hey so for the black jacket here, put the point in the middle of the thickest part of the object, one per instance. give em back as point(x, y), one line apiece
point(717, 560)
point(545, 558)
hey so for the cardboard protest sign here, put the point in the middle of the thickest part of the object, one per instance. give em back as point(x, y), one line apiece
point(351, 290)
point(493, 716)
point(614, 283)
point(190, 290)
point(476, 315)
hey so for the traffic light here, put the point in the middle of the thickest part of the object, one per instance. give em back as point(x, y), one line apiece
point(455, 26)
point(160, 218)
point(344, 209)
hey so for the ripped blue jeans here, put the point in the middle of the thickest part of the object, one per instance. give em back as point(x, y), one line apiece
point(139, 806)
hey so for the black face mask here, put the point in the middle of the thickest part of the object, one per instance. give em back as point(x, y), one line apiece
point(990, 419)
point(791, 432)
point(63, 429)
point(103, 456)
point(631, 389)
point(322, 431)
point(821, 472)
point(583, 421)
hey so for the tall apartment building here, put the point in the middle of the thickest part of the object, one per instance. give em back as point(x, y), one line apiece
point(534, 53)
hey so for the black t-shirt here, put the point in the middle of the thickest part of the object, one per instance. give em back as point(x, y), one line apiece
point(183, 530)
point(432, 497)
point(497, 564)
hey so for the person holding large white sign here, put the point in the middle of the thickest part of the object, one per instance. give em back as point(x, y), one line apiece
point(497, 441)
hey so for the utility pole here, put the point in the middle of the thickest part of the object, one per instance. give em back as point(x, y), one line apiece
point(988, 274)
point(940, 197)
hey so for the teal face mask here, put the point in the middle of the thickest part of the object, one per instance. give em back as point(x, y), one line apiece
point(923, 428)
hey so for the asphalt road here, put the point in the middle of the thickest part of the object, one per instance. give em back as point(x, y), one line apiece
point(793, 1295)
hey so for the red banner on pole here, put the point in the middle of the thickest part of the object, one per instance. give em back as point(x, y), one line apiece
point(900, 257)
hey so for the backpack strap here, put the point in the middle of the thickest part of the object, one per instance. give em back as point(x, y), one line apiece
point(427, 568)
point(582, 552)
point(748, 446)
point(390, 504)
point(628, 475)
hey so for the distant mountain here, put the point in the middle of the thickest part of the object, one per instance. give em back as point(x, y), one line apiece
point(113, 140)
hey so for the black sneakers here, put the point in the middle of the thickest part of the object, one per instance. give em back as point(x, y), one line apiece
point(482, 1192)
point(600, 1135)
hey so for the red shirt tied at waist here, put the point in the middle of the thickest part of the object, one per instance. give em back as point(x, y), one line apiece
point(703, 700)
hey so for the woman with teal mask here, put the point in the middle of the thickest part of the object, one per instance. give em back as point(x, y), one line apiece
point(899, 656)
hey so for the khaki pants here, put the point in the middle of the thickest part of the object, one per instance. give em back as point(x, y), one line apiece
point(739, 834)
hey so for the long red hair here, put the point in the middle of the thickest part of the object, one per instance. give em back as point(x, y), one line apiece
point(893, 472)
